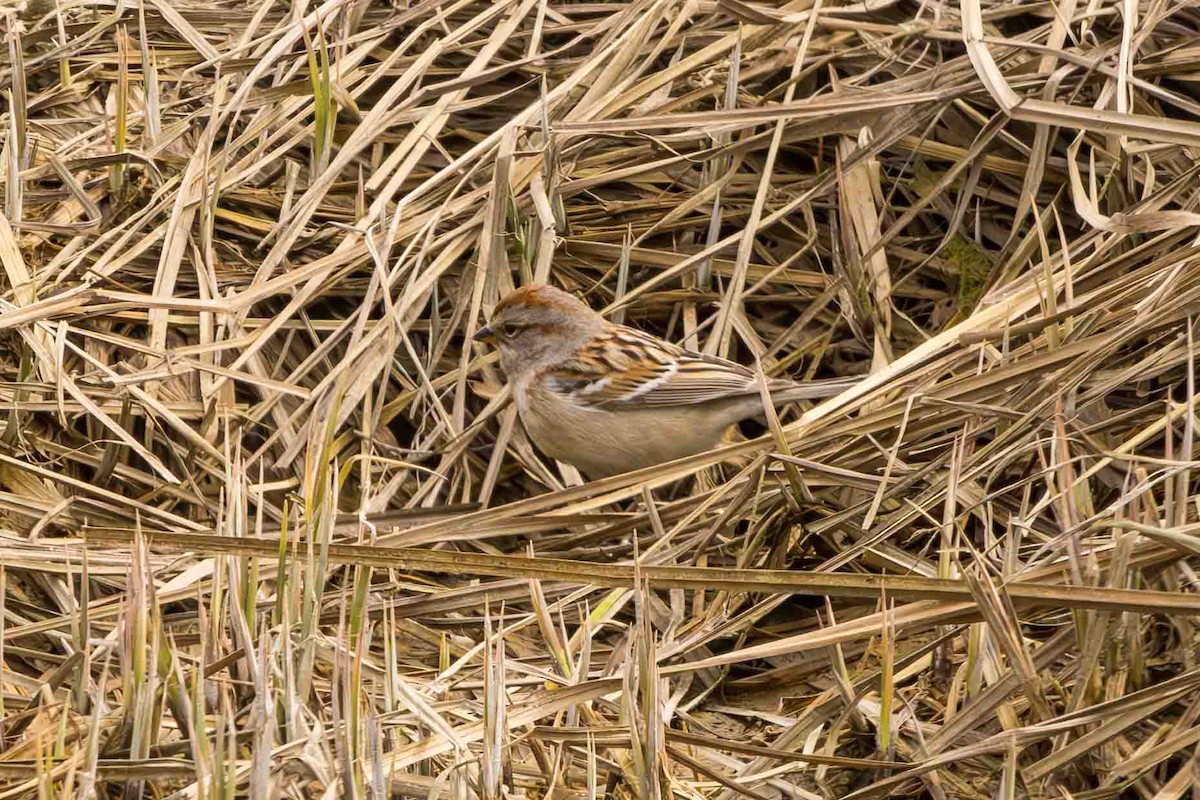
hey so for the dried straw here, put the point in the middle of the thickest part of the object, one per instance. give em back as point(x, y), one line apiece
point(269, 526)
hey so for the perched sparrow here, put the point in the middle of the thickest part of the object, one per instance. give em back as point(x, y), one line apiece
point(606, 398)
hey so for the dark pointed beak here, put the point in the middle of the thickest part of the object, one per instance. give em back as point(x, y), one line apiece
point(485, 334)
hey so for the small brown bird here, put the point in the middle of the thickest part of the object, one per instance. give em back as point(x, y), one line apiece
point(607, 398)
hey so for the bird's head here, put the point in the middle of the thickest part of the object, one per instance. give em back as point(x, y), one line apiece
point(537, 325)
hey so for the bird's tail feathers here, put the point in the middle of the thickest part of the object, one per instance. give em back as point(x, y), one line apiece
point(814, 390)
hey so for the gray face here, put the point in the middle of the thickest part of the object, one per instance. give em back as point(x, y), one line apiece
point(530, 337)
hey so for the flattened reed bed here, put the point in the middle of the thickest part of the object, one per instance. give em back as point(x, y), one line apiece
point(269, 526)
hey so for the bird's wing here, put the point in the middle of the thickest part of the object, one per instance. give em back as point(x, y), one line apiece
point(626, 368)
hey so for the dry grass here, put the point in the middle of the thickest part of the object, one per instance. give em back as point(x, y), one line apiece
point(270, 529)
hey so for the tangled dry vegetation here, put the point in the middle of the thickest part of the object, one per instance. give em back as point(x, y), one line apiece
point(270, 528)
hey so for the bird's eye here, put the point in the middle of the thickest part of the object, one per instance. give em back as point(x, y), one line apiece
point(509, 329)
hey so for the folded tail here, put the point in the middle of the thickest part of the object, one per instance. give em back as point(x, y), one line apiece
point(820, 389)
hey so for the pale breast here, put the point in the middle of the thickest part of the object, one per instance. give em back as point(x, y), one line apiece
point(601, 442)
